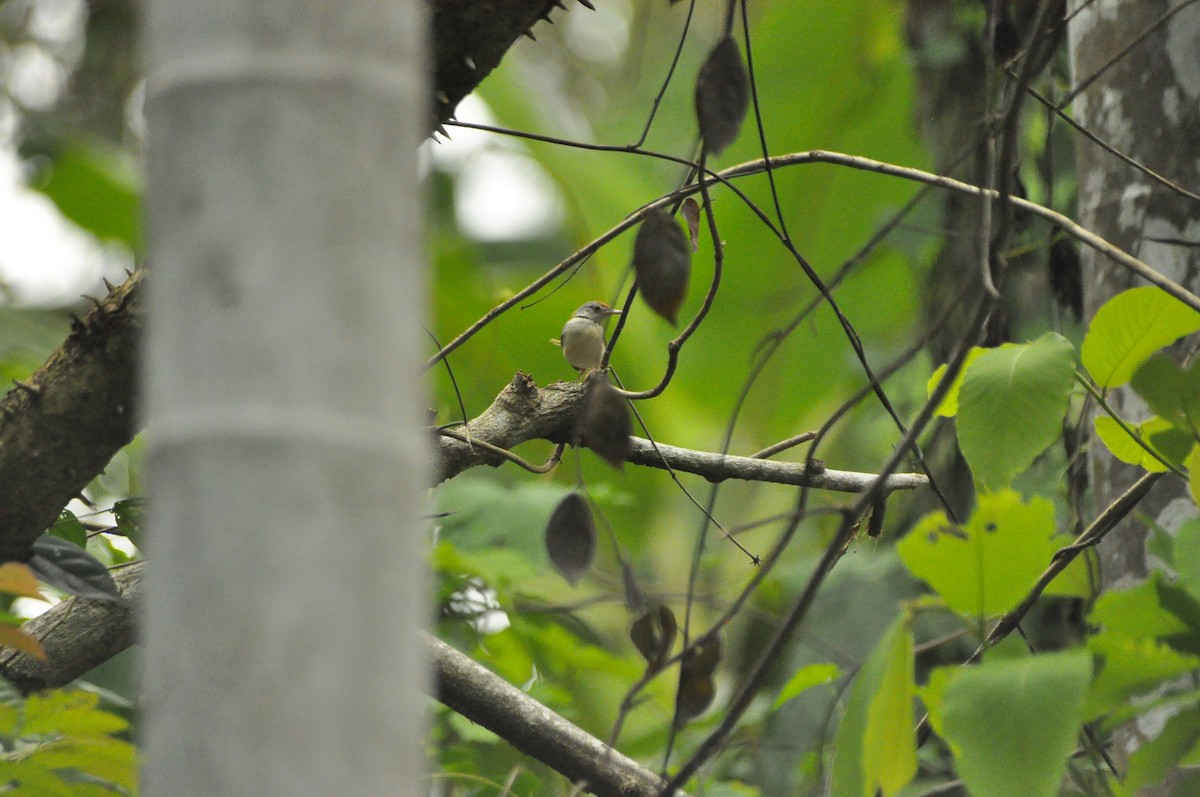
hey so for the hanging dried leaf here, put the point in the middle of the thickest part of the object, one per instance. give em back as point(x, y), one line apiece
point(653, 634)
point(691, 214)
point(722, 96)
point(635, 599)
point(696, 686)
point(663, 264)
point(878, 511)
point(571, 538)
point(1066, 277)
point(66, 566)
point(607, 421)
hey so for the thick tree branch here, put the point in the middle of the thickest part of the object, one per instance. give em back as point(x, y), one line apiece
point(61, 428)
point(484, 698)
point(469, 39)
point(59, 435)
point(77, 635)
point(524, 412)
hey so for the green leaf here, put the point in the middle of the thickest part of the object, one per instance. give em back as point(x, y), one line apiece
point(985, 567)
point(1130, 666)
point(69, 713)
point(1014, 722)
point(129, 513)
point(1187, 555)
point(805, 678)
point(949, 406)
point(933, 695)
point(1012, 404)
point(876, 746)
point(1151, 762)
point(1154, 609)
point(1137, 612)
point(1129, 328)
point(1170, 391)
point(889, 744)
point(68, 528)
point(112, 760)
point(96, 186)
point(1125, 448)
point(1192, 463)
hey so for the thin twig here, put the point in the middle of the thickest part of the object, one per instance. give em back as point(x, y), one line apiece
point(549, 465)
point(747, 691)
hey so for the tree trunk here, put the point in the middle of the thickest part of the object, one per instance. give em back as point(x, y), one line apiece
point(286, 462)
point(1145, 105)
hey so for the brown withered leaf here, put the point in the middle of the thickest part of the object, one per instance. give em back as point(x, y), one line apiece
point(663, 264)
point(635, 599)
point(878, 512)
point(653, 634)
point(607, 421)
point(571, 538)
point(691, 214)
point(1066, 277)
point(696, 685)
point(722, 96)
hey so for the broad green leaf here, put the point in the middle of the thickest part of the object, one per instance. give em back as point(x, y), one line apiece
point(69, 528)
point(1192, 463)
point(949, 406)
point(69, 713)
point(1137, 612)
point(128, 513)
point(889, 744)
point(1170, 391)
point(1129, 328)
point(1184, 606)
point(876, 746)
point(1130, 666)
point(985, 567)
point(96, 186)
point(805, 678)
point(1151, 762)
point(1187, 555)
point(1012, 404)
point(1173, 444)
point(10, 718)
point(113, 760)
point(933, 695)
point(1154, 609)
point(1014, 722)
point(1125, 448)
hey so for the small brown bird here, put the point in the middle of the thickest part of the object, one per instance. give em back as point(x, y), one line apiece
point(583, 335)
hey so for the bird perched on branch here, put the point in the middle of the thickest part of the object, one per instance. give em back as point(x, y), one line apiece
point(583, 336)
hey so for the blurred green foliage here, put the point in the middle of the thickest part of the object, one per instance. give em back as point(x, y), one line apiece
point(829, 75)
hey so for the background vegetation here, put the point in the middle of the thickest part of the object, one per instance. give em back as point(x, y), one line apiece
point(868, 667)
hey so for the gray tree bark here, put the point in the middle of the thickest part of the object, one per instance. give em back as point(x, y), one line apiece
point(1146, 103)
point(286, 459)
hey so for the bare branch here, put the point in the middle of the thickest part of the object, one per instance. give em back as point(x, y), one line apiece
point(524, 412)
point(484, 698)
point(77, 635)
point(718, 467)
